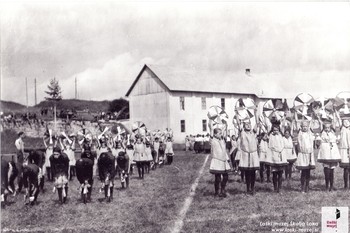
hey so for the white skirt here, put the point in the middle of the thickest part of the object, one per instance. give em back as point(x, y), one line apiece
point(140, 157)
point(263, 157)
point(169, 150)
point(218, 166)
point(149, 157)
point(305, 161)
point(328, 154)
point(288, 153)
point(344, 155)
point(276, 159)
point(249, 161)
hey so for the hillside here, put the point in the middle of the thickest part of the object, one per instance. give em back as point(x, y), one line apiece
point(93, 106)
point(67, 105)
point(8, 106)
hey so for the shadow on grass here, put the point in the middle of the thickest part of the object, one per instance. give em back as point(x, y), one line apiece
point(9, 203)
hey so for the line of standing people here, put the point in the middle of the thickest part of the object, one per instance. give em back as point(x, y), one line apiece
point(275, 153)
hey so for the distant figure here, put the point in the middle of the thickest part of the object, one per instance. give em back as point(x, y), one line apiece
point(20, 159)
point(47, 165)
point(149, 157)
point(156, 149)
point(187, 143)
point(197, 142)
point(130, 152)
point(140, 157)
point(191, 142)
point(169, 152)
point(161, 152)
point(207, 146)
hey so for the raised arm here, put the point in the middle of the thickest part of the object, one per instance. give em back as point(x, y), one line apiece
point(44, 142)
point(63, 147)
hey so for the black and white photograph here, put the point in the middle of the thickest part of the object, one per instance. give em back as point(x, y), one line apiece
point(175, 116)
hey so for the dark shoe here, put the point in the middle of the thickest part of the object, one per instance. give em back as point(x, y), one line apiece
point(223, 194)
point(253, 191)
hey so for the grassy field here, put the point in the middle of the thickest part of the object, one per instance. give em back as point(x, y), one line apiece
point(149, 205)
point(153, 204)
point(245, 213)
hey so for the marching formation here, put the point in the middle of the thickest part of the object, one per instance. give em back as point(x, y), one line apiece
point(114, 152)
point(272, 141)
point(279, 139)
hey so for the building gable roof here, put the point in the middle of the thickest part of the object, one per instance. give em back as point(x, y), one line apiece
point(144, 68)
point(201, 81)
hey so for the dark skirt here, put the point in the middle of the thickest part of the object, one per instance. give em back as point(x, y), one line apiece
point(228, 145)
point(196, 146)
point(207, 146)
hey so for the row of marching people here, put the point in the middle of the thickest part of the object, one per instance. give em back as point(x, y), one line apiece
point(106, 160)
point(197, 143)
point(275, 150)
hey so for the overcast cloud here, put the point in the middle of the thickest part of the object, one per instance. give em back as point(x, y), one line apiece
point(106, 44)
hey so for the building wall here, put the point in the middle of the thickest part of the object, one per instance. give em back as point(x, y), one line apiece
point(158, 108)
point(193, 114)
point(149, 102)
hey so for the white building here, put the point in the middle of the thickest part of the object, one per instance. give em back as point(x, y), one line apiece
point(163, 97)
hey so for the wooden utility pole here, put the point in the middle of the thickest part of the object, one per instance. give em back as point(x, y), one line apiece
point(76, 88)
point(35, 91)
point(27, 95)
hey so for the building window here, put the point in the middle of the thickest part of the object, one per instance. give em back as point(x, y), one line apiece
point(182, 103)
point(183, 126)
point(204, 103)
point(204, 125)
point(223, 103)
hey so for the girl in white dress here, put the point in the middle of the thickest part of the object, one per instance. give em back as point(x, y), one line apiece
point(289, 153)
point(305, 160)
point(275, 157)
point(219, 165)
point(249, 159)
point(328, 154)
point(140, 157)
point(47, 166)
point(344, 149)
point(149, 157)
point(130, 152)
point(68, 147)
point(263, 146)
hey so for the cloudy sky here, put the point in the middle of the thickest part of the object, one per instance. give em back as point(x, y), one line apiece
point(292, 47)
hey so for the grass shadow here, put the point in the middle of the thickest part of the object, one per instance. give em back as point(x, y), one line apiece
point(235, 191)
point(9, 203)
